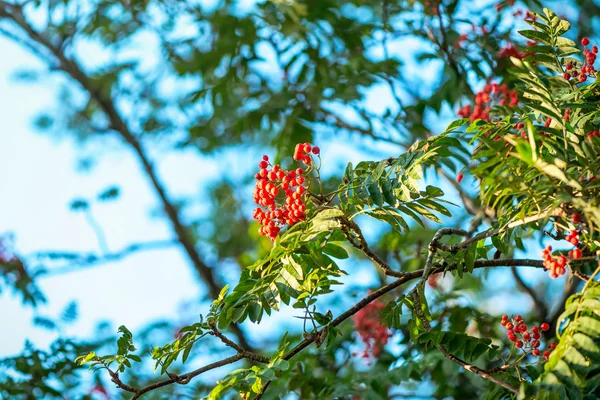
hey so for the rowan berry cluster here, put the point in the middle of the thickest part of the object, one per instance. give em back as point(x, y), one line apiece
point(280, 193)
point(556, 265)
point(511, 51)
point(491, 95)
point(592, 134)
point(527, 341)
point(587, 69)
point(372, 332)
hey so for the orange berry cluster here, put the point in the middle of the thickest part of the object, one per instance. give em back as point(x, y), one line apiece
point(491, 94)
point(373, 333)
point(274, 211)
point(303, 150)
point(586, 70)
point(556, 266)
point(528, 341)
point(592, 134)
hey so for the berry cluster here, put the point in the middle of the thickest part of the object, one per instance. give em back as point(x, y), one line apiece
point(491, 95)
point(587, 69)
point(303, 150)
point(271, 183)
point(511, 51)
point(556, 266)
point(567, 114)
point(373, 333)
point(592, 134)
point(528, 341)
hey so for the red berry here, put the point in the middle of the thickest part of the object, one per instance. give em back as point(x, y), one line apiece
point(535, 352)
point(585, 41)
point(263, 164)
point(595, 49)
point(576, 218)
point(552, 345)
point(519, 344)
point(509, 327)
point(536, 335)
point(576, 254)
point(459, 177)
point(266, 158)
point(546, 355)
point(566, 76)
point(307, 147)
point(299, 171)
point(535, 344)
point(518, 318)
point(316, 150)
point(505, 317)
point(544, 326)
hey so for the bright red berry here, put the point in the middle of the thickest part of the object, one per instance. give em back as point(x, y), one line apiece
point(535, 344)
point(576, 254)
point(459, 177)
point(544, 326)
point(316, 150)
point(546, 355)
point(519, 344)
point(585, 41)
point(535, 352)
point(263, 164)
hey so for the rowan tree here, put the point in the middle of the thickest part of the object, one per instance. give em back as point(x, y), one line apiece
point(449, 207)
